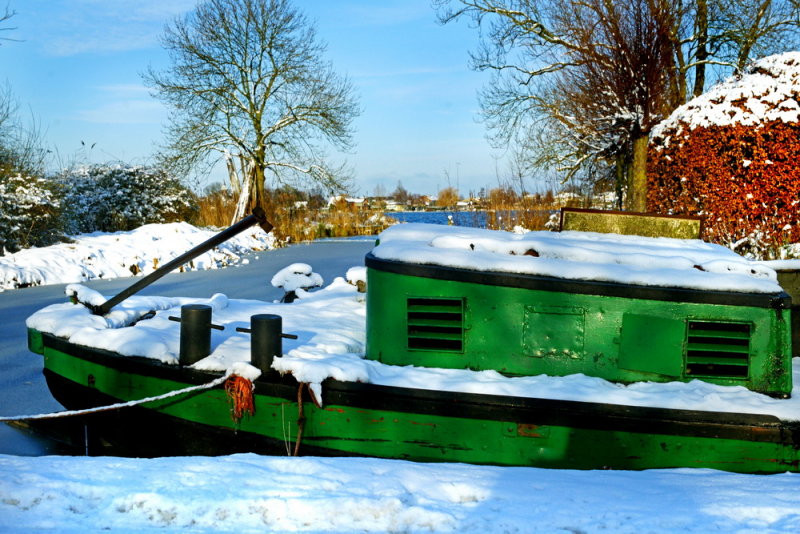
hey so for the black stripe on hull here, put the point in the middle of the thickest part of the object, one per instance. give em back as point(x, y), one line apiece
point(573, 414)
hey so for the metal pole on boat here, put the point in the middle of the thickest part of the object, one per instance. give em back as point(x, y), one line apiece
point(195, 333)
point(266, 339)
point(257, 217)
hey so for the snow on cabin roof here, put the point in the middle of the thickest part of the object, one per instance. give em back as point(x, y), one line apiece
point(645, 261)
point(768, 91)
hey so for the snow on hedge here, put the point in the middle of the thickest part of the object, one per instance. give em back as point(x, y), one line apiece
point(767, 91)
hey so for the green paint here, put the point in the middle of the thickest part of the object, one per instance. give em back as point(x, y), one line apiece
point(657, 337)
point(530, 332)
point(432, 437)
point(35, 343)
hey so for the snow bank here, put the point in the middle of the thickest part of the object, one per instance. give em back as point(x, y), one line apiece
point(123, 254)
point(647, 261)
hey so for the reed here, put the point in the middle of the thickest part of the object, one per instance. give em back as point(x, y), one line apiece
point(296, 219)
point(216, 209)
point(506, 210)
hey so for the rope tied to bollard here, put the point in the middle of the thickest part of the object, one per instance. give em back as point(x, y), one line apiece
point(118, 406)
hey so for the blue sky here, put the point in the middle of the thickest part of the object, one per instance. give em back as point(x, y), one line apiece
point(76, 69)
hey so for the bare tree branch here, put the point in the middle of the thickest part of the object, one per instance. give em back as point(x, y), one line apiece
point(248, 80)
point(581, 82)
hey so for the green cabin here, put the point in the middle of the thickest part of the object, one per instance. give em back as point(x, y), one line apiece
point(622, 308)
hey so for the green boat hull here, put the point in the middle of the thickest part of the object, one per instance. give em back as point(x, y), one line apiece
point(403, 423)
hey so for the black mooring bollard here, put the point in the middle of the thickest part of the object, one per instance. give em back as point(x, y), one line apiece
point(195, 333)
point(265, 340)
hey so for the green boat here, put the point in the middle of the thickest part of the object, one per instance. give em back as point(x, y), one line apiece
point(531, 313)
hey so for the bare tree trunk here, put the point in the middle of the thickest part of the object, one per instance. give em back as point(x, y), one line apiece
point(701, 30)
point(259, 192)
point(620, 180)
point(244, 205)
point(677, 81)
point(233, 174)
point(637, 190)
point(752, 36)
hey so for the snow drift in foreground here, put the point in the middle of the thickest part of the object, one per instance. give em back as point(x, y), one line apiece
point(122, 254)
point(250, 493)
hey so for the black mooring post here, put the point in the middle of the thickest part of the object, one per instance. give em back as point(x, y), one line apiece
point(195, 333)
point(265, 340)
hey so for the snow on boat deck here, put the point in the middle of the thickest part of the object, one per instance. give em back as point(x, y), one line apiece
point(331, 325)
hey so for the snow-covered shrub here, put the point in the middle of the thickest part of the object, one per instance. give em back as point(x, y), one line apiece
point(29, 212)
point(111, 198)
point(730, 155)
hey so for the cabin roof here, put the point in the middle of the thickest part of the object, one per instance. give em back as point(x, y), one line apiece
point(636, 260)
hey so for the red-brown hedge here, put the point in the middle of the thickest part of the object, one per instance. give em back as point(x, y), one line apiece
point(745, 181)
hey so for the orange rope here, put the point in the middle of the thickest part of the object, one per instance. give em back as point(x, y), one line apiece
point(240, 395)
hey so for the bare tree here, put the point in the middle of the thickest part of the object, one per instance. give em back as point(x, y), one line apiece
point(248, 84)
point(579, 83)
point(22, 148)
point(6, 14)
point(726, 35)
point(616, 93)
point(447, 197)
point(593, 83)
point(400, 193)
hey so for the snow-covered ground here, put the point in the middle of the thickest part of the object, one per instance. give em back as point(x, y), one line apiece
point(248, 493)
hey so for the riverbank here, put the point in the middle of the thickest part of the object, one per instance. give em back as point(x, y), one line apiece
point(124, 254)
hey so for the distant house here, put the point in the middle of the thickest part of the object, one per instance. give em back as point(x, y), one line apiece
point(359, 203)
point(393, 205)
point(565, 198)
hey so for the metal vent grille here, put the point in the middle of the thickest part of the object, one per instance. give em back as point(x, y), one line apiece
point(436, 324)
point(719, 350)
